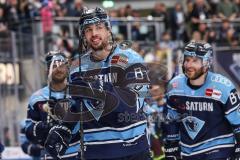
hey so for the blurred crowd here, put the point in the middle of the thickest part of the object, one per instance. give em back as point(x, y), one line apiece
point(214, 21)
point(183, 21)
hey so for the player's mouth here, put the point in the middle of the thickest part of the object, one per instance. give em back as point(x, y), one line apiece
point(190, 70)
point(96, 41)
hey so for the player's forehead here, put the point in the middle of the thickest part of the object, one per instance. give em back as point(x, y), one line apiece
point(193, 58)
point(100, 24)
point(59, 63)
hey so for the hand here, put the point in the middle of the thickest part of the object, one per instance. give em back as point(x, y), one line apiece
point(51, 103)
point(172, 151)
point(57, 141)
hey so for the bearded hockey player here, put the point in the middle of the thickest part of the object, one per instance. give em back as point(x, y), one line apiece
point(205, 107)
point(42, 103)
point(117, 70)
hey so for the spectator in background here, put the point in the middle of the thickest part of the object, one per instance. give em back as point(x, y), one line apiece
point(6, 135)
point(227, 35)
point(166, 42)
point(196, 36)
point(12, 14)
point(64, 43)
point(211, 36)
point(23, 9)
point(47, 22)
point(226, 9)
point(160, 11)
point(128, 11)
point(122, 28)
point(190, 4)
point(34, 8)
point(237, 4)
point(136, 47)
point(232, 38)
point(76, 11)
point(121, 12)
point(199, 13)
point(222, 32)
point(47, 17)
point(164, 47)
point(213, 5)
point(203, 30)
point(60, 11)
point(27, 10)
point(3, 27)
point(177, 22)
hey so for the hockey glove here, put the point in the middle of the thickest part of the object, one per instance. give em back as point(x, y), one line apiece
point(57, 141)
point(41, 129)
point(40, 132)
point(34, 150)
point(237, 153)
point(172, 150)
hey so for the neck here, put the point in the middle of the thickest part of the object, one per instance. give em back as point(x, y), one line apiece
point(101, 54)
point(57, 86)
point(199, 81)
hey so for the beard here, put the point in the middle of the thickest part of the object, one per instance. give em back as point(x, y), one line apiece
point(58, 79)
point(101, 46)
point(97, 48)
point(193, 76)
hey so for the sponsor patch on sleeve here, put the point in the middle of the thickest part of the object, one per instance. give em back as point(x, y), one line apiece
point(120, 60)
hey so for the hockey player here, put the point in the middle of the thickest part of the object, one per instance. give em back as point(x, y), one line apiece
point(154, 111)
point(206, 107)
point(42, 104)
point(117, 70)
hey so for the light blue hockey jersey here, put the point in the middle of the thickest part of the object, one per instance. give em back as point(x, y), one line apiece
point(208, 116)
point(36, 113)
point(122, 132)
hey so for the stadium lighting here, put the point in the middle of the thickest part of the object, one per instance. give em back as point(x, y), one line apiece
point(107, 4)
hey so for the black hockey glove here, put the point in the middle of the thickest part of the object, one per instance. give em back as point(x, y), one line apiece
point(172, 150)
point(41, 129)
point(34, 150)
point(57, 141)
point(237, 153)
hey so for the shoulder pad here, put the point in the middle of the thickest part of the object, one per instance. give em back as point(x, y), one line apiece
point(176, 82)
point(40, 95)
point(221, 80)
